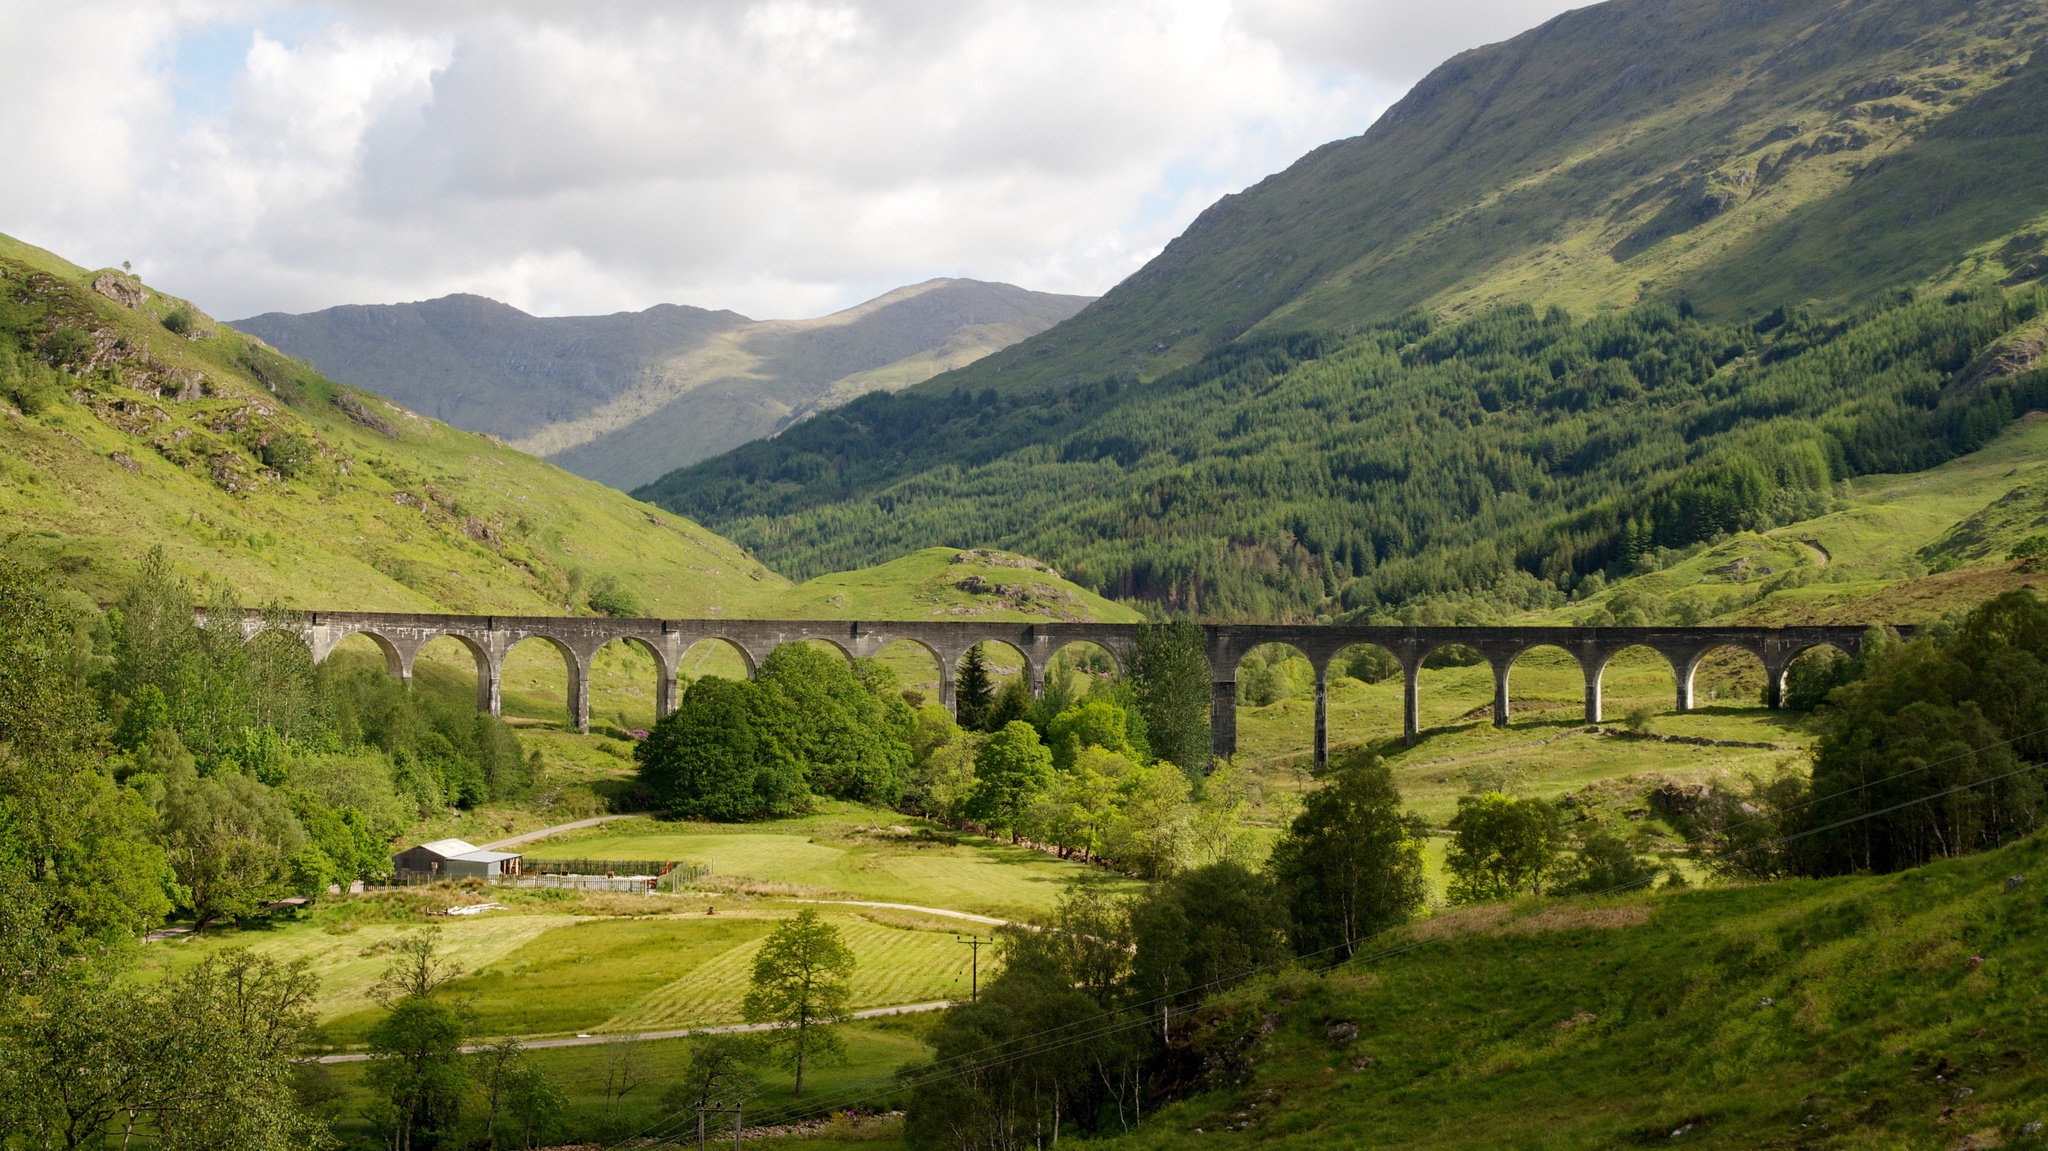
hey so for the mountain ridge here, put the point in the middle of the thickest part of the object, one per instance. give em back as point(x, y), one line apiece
point(627, 396)
point(1538, 157)
point(129, 420)
point(1649, 164)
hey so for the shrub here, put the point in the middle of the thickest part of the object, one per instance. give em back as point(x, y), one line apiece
point(289, 454)
point(68, 347)
point(608, 598)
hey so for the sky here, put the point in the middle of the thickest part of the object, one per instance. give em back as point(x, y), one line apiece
point(780, 158)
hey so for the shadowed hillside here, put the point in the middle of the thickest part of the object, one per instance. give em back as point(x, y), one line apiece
point(625, 397)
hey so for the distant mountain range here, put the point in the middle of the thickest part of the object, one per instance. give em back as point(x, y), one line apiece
point(627, 397)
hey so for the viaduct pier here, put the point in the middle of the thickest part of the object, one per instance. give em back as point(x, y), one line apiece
point(400, 637)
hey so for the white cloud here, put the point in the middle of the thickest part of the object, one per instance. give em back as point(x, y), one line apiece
point(779, 157)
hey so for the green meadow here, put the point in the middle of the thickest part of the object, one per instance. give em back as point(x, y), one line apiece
point(1860, 1012)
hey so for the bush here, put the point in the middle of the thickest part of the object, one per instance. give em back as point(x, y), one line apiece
point(1604, 864)
point(608, 598)
point(68, 347)
point(181, 320)
point(289, 454)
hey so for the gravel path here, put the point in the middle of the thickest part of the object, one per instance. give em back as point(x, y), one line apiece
point(543, 833)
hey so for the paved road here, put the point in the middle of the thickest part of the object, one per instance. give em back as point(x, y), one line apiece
point(728, 1029)
point(543, 833)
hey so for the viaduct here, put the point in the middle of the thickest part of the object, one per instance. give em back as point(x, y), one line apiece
point(489, 638)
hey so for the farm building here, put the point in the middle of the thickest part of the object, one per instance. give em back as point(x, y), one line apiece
point(452, 859)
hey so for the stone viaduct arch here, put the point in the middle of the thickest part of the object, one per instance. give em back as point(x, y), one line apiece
point(400, 636)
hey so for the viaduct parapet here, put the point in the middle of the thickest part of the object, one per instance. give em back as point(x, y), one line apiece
point(577, 639)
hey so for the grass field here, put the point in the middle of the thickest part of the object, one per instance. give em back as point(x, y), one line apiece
point(856, 852)
point(1862, 1012)
point(660, 964)
point(551, 964)
point(874, 1048)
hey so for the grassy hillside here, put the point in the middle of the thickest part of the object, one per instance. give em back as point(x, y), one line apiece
point(626, 397)
point(1894, 1011)
point(944, 583)
point(1747, 154)
point(247, 467)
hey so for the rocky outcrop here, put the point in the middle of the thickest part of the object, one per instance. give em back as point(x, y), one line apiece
point(126, 291)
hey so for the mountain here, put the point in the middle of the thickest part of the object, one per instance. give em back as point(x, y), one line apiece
point(1738, 153)
point(626, 397)
point(129, 420)
point(1647, 274)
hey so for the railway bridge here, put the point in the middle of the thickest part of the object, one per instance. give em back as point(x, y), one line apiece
point(400, 636)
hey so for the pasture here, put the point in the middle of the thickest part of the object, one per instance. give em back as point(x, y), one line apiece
point(859, 852)
point(601, 969)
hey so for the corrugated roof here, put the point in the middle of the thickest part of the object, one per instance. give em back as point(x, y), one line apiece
point(449, 848)
point(487, 856)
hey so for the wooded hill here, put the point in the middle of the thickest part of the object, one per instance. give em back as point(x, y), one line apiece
point(1645, 274)
point(1510, 455)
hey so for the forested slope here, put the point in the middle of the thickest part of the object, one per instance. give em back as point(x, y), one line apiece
point(1508, 455)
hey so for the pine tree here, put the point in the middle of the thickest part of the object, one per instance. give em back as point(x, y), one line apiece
point(972, 694)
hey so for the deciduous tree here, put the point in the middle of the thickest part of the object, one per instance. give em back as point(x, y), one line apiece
point(1010, 770)
point(799, 982)
point(1170, 676)
point(1350, 865)
point(1503, 847)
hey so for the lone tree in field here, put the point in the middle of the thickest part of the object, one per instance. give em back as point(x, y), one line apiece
point(1503, 847)
point(800, 982)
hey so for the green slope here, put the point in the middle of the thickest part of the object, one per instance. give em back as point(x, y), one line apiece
point(150, 438)
point(1632, 148)
point(944, 583)
point(1894, 1011)
point(161, 440)
point(1505, 458)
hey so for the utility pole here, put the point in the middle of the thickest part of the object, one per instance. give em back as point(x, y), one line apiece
point(975, 942)
point(737, 1111)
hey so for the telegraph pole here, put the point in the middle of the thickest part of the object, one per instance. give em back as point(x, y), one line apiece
point(975, 942)
point(737, 1111)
